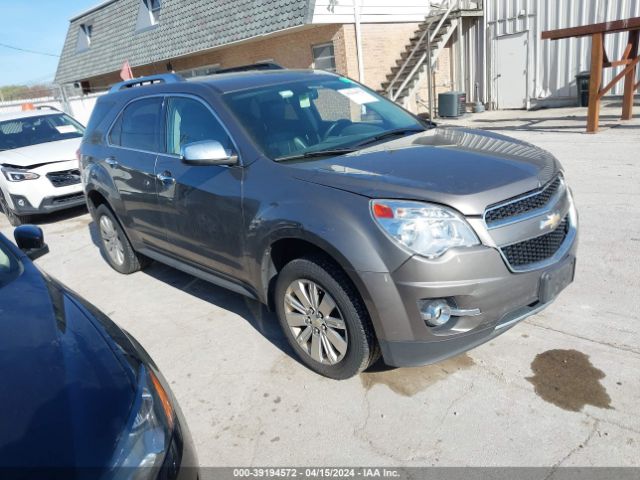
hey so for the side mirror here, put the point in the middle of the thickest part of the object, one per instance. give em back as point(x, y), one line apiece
point(30, 239)
point(207, 152)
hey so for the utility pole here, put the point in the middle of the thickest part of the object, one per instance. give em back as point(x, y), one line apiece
point(430, 76)
point(356, 19)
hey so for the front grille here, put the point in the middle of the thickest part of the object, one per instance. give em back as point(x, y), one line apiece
point(64, 178)
point(537, 249)
point(67, 198)
point(527, 204)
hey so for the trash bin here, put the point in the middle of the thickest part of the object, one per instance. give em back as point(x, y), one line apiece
point(582, 82)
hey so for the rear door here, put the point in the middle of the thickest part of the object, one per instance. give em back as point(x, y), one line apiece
point(135, 139)
point(201, 205)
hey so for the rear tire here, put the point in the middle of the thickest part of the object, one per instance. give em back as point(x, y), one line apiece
point(114, 244)
point(324, 319)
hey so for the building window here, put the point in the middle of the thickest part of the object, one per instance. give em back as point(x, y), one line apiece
point(324, 57)
point(200, 71)
point(84, 37)
point(148, 14)
point(154, 8)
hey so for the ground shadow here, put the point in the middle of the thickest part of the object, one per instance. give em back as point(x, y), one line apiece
point(59, 216)
point(540, 124)
point(252, 311)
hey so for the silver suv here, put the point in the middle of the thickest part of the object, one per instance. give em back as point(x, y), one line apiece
point(366, 229)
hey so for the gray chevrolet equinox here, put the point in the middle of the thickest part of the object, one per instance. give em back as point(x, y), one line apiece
point(367, 230)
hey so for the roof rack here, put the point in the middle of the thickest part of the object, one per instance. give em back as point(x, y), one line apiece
point(149, 80)
point(251, 67)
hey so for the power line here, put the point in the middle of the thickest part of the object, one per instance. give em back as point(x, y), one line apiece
point(28, 51)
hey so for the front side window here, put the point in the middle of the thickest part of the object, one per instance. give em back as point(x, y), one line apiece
point(23, 132)
point(138, 127)
point(189, 121)
point(316, 114)
point(9, 266)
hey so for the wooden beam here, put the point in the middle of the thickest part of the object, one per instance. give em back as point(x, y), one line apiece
point(597, 59)
point(616, 63)
point(617, 78)
point(630, 78)
point(607, 27)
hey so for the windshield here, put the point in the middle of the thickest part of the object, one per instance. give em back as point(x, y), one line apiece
point(22, 132)
point(9, 266)
point(316, 115)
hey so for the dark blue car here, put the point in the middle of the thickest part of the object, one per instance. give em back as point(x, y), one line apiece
point(79, 397)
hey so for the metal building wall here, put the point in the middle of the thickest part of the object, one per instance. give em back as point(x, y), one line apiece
point(552, 65)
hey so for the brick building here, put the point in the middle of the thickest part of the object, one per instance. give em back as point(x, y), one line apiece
point(489, 49)
point(362, 40)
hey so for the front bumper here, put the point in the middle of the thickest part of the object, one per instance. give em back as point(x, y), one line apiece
point(48, 204)
point(37, 196)
point(474, 278)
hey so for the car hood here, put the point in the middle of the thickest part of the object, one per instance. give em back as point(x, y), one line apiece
point(465, 169)
point(67, 387)
point(41, 154)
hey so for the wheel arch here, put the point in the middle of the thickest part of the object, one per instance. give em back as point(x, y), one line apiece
point(287, 247)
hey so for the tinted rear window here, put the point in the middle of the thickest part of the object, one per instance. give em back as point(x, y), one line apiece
point(97, 116)
point(138, 127)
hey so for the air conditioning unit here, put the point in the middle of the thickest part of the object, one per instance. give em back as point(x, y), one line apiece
point(452, 104)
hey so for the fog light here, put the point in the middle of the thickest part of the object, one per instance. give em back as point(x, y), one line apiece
point(435, 312)
point(439, 311)
point(22, 203)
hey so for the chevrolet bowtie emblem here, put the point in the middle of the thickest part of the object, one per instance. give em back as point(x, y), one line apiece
point(551, 222)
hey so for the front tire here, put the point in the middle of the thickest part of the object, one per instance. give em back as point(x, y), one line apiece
point(14, 219)
point(324, 318)
point(115, 245)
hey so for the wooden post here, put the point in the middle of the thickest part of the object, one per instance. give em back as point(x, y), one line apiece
point(597, 61)
point(630, 79)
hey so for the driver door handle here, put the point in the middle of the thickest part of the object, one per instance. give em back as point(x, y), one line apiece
point(166, 178)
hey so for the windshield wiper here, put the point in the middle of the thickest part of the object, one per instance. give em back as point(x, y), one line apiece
point(319, 153)
point(391, 133)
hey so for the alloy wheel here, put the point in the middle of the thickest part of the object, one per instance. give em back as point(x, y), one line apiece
point(111, 240)
point(316, 322)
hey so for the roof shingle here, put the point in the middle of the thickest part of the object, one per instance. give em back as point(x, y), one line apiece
point(185, 27)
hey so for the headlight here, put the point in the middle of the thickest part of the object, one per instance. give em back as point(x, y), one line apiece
point(146, 441)
point(18, 175)
point(426, 229)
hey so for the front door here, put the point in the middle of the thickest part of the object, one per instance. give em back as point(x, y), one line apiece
point(511, 71)
point(131, 164)
point(201, 205)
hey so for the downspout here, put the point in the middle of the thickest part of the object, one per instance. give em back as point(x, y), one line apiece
point(537, 54)
point(64, 100)
point(487, 70)
point(356, 18)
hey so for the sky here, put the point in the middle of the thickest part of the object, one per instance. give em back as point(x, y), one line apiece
point(39, 25)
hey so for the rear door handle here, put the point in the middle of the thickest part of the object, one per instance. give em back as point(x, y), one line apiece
point(166, 178)
point(111, 161)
